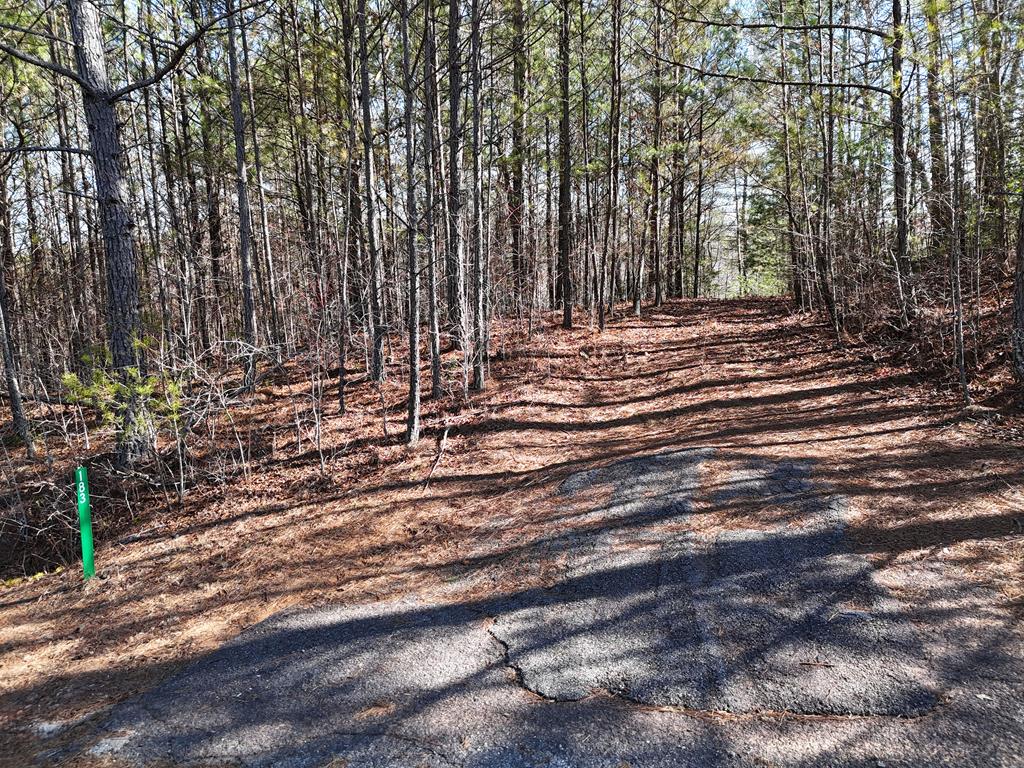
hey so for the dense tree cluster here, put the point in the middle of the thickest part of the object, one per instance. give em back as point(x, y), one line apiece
point(187, 184)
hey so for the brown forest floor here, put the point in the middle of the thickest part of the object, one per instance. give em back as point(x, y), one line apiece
point(745, 377)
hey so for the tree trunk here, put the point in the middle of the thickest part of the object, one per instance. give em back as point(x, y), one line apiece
point(453, 268)
point(69, 179)
point(588, 228)
point(412, 428)
point(991, 139)
point(369, 205)
point(353, 233)
point(430, 100)
point(899, 162)
point(276, 333)
point(135, 434)
point(564, 170)
point(244, 215)
point(938, 199)
point(1017, 332)
point(655, 210)
point(163, 145)
point(611, 210)
point(18, 417)
point(796, 279)
point(554, 284)
point(516, 198)
point(479, 329)
point(214, 223)
point(698, 216)
point(956, 251)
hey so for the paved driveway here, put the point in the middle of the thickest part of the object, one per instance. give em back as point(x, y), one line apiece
point(656, 645)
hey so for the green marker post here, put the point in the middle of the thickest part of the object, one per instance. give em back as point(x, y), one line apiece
point(85, 521)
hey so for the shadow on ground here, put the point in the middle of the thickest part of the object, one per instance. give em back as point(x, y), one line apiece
point(646, 650)
point(617, 589)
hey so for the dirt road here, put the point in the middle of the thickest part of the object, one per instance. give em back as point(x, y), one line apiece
point(704, 537)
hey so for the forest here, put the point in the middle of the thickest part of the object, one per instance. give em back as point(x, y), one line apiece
point(193, 193)
point(511, 383)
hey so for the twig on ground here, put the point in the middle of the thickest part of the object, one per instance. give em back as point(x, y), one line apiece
point(383, 410)
point(441, 445)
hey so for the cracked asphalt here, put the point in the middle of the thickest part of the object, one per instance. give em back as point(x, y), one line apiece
point(656, 646)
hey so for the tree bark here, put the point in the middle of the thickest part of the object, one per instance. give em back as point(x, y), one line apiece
point(477, 229)
point(900, 165)
point(564, 170)
point(432, 108)
point(453, 267)
point(353, 232)
point(214, 221)
point(698, 215)
point(135, 429)
point(369, 205)
point(516, 197)
point(18, 417)
point(655, 211)
point(244, 214)
point(611, 230)
point(938, 199)
point(991, 134)
point(412, 427)
point(276, 332)
point(796, 279)
point(1017, 331)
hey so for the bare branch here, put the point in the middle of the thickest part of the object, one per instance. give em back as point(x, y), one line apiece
point(28, 32)
point(179, 53)
point(778, 27)
point(24, 149)
point(44, 64)
point(772, 81)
